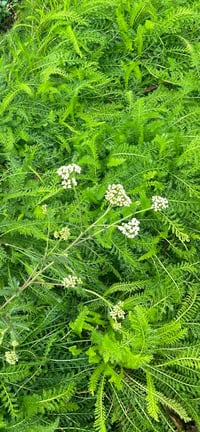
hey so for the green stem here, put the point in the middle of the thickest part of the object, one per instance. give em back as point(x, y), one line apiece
point(104, 228)
point(86, 230)
point(85, 289)
point(28, 282)
point(99, 296)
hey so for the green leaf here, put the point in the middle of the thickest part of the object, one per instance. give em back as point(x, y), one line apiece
point(100, 414)
point(152, 402)
point(112, 162)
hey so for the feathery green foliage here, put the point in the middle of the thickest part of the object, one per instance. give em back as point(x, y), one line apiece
point(113, 87)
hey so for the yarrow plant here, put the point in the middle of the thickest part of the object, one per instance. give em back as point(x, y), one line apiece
point(71, 281)
point(109, 285)
point(159, 203)
point(130, 229)
point(65, 172)
point(117, 196)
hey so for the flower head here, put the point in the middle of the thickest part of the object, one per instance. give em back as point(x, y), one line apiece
point(74, 168)
point(65, 172)
point(69, 183)
point(116, 325)
point(130, 229)
point(56, 234)
point(117, 312)
point(117, 196)
point(159, 203)
point(71, 281)
point(63, 234)
point(11, 357)
point(44, 208)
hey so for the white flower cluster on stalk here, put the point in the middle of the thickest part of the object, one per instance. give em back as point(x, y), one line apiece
point(71, 281)
point(159, 203)
point(117, 313)
point(11, 357)
point(65, 172)
point(117, 196)
point(131, 228)
point(63, 234)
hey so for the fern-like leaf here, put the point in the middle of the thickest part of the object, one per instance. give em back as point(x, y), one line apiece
point(100, 414)
point(152, 402)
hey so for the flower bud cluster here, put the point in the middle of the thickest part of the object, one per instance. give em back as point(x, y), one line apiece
point(65, 172)
point(116, 325)
point(44, 208)
point(117, 312)
point(117, 196)
point(63, 234)
point(159, 203)
point(11, 357)
point(15, 343)
point(130, 229)
point(71, 281)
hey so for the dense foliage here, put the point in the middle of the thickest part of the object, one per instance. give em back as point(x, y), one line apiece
point(100, 330)
point(7, 13)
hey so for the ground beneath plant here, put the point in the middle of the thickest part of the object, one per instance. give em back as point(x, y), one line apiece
point(8, 21)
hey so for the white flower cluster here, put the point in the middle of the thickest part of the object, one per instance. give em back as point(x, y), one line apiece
point(117, 312)
point(130, 229)
point(63, 234)
point(71, 281)
point(116, 325)
point(117, 196)
point(44, 209)
point(159, 203)
point(11, 357)
point(65, 172)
